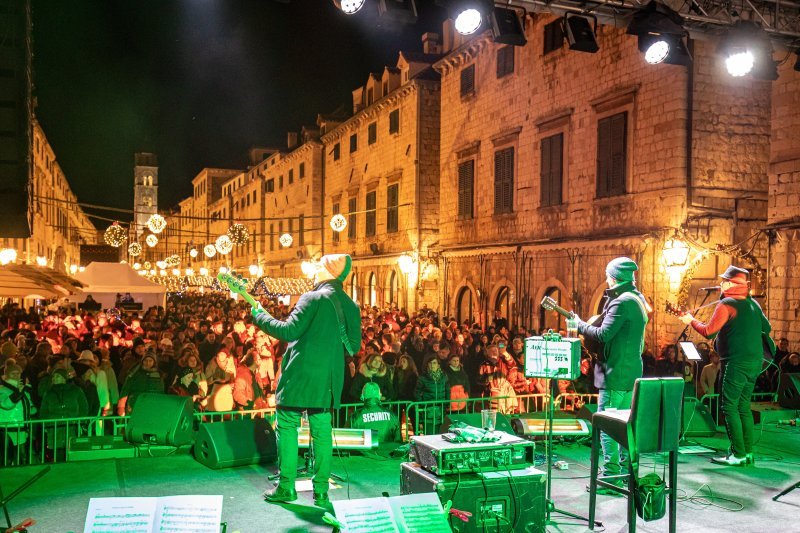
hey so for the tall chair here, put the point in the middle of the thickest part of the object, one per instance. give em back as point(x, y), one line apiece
point(651, 425)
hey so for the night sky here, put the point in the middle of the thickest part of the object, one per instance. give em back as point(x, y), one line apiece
point(197, 82)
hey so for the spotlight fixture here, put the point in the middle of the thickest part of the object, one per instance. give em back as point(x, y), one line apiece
point(468, 16)
point(746, 50)
point(507, 26)
point(661, 34)
point(349, 7)
point(581, 36)
point(400, 11)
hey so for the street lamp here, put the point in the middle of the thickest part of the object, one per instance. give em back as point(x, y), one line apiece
point(675, 252)
point(407, 264)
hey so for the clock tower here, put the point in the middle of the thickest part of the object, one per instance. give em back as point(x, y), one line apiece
point(145, 190)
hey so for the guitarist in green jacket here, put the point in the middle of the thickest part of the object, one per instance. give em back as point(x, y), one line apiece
point(622, 336)
point(323, 325)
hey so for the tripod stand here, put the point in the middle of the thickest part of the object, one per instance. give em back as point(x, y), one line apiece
point(22, 488)
point(787, 491)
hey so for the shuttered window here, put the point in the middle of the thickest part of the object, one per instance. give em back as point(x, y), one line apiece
point(392, 202)
point(335, 233)
point(505, 61)
point(503, 181)
point(371, 204)
point(353, 142)
point(552, 169)
point(394, 121)
point(468, 80)
point(612, 155)
point(337, 152)
point(466, 186)
point(372, 133)
point(352, 207)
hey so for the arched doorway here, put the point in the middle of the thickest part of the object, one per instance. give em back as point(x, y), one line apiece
point(373, 297)
point(502, 303)
point(464, 309)
point(551, 319)
point(391, 289)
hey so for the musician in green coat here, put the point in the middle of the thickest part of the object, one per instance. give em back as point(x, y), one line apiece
point(324, 325)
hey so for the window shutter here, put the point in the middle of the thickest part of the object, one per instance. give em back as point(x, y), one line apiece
point(468, 80)
point(556, 168)
point(352, 207)
point(466, 180)
point(603, 158)
point(545, 171)
point(503, 180)
point(618, 153)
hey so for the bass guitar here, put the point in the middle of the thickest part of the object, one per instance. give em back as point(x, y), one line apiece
point(595, 348)
point(237, 285)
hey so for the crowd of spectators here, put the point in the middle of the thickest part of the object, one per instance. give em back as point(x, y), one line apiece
point(64, 364)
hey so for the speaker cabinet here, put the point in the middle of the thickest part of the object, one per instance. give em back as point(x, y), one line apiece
point(161, 419)
point(510, 501)
point(789, 391)
point(474, 419)
point(240, 442)
point(697, 420)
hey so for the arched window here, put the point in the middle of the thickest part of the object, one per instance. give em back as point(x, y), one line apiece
point(551, 319)
point(391, 289)
point(464, 305)
point(353, 289)
point(373, 298)
point(502, 303)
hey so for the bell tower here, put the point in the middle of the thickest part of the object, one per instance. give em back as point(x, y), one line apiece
point(145, 190)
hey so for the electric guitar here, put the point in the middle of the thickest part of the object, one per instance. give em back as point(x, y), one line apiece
point(595, 348)
point(237, 285)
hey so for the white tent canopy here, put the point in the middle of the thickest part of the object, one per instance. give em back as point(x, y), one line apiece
point(105, 280)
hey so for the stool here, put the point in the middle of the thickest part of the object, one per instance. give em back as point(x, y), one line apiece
point(651, 425)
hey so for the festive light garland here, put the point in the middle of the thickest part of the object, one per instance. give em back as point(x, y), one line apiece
point(151, 240)
point(173, 260)
point(156, 223)
point(115, 235)
point(286, 240)
point(274, 287)
point(147, 265)
point(238, 234)
point(224, 244)
point(135, 249)
point(210, 250)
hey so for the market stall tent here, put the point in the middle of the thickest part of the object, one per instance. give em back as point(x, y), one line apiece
point(105, 280)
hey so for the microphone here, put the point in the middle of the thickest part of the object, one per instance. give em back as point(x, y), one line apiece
point(709, 289)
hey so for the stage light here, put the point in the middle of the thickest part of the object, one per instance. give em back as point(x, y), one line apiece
point(661, 35)
point(507, 26)
point(41, 261)
point(581, 36)
point(397, 11)
point(468, 16)
point(746, 50)
point(349, 7)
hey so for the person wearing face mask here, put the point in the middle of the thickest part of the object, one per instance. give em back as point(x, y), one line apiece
point(737, 326)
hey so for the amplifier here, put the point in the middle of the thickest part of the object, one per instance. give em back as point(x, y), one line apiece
point(441, 457)
point(506, 502)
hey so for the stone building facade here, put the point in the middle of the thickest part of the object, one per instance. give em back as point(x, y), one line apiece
point(145, 191)
point(382, 175)
point(558, 162)
point(784, 207)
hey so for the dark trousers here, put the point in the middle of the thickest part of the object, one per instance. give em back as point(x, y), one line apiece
point(736, 381)
point(320, 427)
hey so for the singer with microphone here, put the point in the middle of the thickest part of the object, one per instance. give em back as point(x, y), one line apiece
point(737, 326)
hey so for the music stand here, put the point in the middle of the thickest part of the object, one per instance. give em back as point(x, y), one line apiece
point(553, 358)
point(22, 488)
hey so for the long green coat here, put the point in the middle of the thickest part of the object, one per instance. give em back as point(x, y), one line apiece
point(312, 370)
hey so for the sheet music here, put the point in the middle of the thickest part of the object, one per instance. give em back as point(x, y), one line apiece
point(118, 515)
point(419, 513)
point(366, 515)
point(188, 514)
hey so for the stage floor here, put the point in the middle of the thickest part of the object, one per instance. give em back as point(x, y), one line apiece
point(59, 500)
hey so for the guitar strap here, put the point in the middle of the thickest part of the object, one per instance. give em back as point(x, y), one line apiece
point(337, 307)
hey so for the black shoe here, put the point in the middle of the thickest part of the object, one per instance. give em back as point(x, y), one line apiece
point(730, 460)
point(280, 495)
point(321, 500)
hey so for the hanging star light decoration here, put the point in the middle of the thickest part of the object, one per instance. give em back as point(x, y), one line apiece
point(173, 260)
point(209, 250)
point(286, 240)
point(338, 222)
point(135, 249)
point(147, 265)
point(224, 244)
point(115, 235)
point(238, 234)
point(156, 223)
point(151, 240)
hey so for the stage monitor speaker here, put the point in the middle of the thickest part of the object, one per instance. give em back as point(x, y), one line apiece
point(240, 442)
point(162, 419)
point(697, 420)
point(512, 501)
point(474, 419)
point(789, 391)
